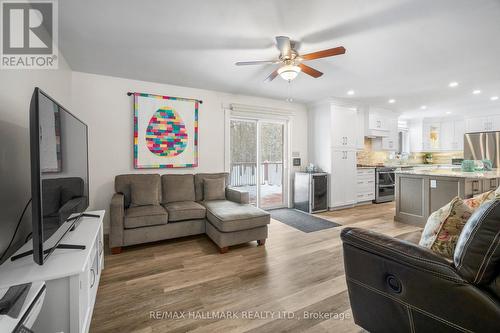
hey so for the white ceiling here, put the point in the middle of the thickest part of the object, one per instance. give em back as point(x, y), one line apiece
point(401, 49)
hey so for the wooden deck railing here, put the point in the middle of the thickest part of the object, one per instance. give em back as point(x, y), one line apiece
point(243, 174)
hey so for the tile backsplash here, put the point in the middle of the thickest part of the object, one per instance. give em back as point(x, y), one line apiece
point(371, 157)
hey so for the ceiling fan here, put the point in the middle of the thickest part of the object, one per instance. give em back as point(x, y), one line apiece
point(291, 61)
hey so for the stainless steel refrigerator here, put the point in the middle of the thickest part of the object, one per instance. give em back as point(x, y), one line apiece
point(483, 146)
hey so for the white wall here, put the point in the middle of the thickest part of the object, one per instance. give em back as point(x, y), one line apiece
point(16, 88)
point(102, 103)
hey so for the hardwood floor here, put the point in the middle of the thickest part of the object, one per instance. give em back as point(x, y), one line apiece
point(295, 273)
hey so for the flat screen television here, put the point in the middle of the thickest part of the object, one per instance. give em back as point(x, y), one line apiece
point(59, 173)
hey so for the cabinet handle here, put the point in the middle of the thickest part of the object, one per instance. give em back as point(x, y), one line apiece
point(93, 278)
point(475, 186)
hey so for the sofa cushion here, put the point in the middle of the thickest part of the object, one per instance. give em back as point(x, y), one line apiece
point(444, 226)
point(184, 210)
point(214, 189)
point(123, 184)
point(145, 216)
point(228, 216)
point(177, 188)
point(143, 194)
point(198, 182)
point(477, 255)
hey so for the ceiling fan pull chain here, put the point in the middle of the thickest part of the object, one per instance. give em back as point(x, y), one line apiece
point(289, 99)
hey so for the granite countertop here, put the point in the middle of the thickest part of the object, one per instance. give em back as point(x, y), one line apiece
point(409, 165)
point(454, 172)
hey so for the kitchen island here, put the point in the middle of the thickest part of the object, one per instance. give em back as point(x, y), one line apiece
point(421, 192)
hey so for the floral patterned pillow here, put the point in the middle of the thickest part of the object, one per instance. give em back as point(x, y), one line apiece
point(444, 226)
point(478, 200)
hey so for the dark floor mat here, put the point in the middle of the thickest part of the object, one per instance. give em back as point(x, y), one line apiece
point(300, 220)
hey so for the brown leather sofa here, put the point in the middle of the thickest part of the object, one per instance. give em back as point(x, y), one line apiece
point(397, 286)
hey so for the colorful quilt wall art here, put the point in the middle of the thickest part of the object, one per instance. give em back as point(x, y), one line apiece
point(165, 132)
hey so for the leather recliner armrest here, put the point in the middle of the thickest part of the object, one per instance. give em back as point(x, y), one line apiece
point(400, 251)
point(393, 283)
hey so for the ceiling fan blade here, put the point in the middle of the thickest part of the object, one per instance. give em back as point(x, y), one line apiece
point(323, 54)
point(259, 62)
point(310, 71)
point(271, 76)
point(284, 46)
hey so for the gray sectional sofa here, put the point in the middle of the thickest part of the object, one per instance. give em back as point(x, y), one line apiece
point(149, 207)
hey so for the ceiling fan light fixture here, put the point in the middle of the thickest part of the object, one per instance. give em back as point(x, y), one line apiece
point(289, 72)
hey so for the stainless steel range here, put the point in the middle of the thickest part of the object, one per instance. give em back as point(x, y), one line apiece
point(385, 184)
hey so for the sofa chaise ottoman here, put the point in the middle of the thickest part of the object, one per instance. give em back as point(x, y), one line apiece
point(231, 223)
point(149, 207)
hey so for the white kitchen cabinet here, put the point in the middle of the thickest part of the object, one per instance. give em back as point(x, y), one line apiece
point(365, 184)
point(360, 129)
point(389, 142)
point(437, 134)
point(447, 135)
point(482, 124)
point(452, 135)
point(495, 122)
point(343, 127)
point(415, 134)
point(458, 134)
point(333, 141)
point(377, 120)
point(343, 178)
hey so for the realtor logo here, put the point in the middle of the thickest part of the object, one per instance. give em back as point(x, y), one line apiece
point(29, 34)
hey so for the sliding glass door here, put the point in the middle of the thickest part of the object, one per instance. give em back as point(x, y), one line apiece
point(243, 169)
point(271, 149)
point(257, 160)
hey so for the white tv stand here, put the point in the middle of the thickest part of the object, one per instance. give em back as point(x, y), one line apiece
point(71, 277)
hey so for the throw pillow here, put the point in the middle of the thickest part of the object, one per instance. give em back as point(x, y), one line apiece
point(214, 189)
point(479, 199)
point(143, 194)
point(444, 226)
